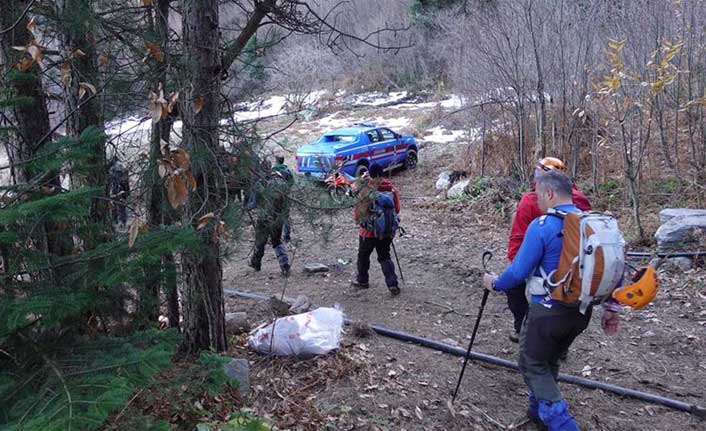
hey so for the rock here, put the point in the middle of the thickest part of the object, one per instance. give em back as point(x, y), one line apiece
point(301, 305)
point(237, 323)
point(312, 268)
point(682, 233)
point(238, 371)
point(669, 213)
point(280, 307)
point(458, 189)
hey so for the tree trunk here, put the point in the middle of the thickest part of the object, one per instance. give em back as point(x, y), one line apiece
point(83, 108)
point(204, 319)
point(31, 117)
point(541, 147)
point(159, 275)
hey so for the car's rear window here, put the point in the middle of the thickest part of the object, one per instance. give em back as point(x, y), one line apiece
point(339, 138)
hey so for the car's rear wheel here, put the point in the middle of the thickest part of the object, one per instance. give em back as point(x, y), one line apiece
point(361, 170)
point(410, 162)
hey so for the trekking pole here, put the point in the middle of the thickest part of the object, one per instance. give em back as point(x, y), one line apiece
point(489, 255)
point(394, 250)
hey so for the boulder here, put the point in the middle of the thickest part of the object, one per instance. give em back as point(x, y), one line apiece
point(669, 213)
point(313, 268)
point(238, 372)
point(685, 232)
point(458, 189)
point(237, 323)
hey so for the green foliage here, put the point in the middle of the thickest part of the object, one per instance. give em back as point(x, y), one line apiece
point(81, 381)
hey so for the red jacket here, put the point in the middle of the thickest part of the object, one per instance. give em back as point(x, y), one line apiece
point(528, 210)
point(385, 186)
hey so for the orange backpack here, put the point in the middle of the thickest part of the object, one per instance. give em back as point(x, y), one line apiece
point(592, 259)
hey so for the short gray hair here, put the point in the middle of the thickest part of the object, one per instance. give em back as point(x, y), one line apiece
point(556, 181)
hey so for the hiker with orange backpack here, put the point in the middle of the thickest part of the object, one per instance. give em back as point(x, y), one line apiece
point(570, 261)
point(376, 214)
point(527, 210)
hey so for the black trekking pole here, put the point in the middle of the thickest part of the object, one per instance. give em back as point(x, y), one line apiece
point(394, 250)
point(489, 255)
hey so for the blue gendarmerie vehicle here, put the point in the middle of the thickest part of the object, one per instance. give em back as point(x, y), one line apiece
point(353, 149)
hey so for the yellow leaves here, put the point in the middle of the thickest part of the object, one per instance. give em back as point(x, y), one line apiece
point(160, 107)
point(616, 45)
point(76, 53)
point(36, 56)
point(137, 226)
point(157, 106)
point(198, 104)
point(24, 65)
point(203, 221)
point(147, 2)
point(84, 88)
point(181, 159)
point(32, 25)
point(154, 51)
point(175, 170)
point(66, 74)
point(103, 60)
point(177, 194)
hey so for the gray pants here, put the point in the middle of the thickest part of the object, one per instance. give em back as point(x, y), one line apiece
point(545, 334)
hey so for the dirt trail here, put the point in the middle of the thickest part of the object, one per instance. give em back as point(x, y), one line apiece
point(397, 386)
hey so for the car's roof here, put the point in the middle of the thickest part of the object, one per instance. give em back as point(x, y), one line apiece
point(351, 130)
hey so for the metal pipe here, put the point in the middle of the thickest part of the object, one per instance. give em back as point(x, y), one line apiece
point(645, 254)
point(567, 378)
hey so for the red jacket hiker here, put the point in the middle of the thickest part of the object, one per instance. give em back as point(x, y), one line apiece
point(527, 210)
point(385, 186)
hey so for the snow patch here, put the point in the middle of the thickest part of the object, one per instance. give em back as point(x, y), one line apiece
point(377, 98)
point(440, 135)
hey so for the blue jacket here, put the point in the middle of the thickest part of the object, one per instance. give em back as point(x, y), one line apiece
point(541, 246)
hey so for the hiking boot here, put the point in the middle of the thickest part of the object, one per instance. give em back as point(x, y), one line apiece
point(513, 336)
point(285, 270)
point(556, 416)
point(394, 290)
point(358, 285)
point(253, 265)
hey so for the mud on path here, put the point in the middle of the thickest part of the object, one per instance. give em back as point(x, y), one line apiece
point(379, 383)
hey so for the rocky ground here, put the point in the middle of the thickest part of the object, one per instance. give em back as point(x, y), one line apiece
point(375, 383)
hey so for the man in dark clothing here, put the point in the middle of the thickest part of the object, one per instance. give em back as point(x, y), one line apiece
point(367, 242)
point(527, 210)
point(550, 326)
point(287, 174)
point(119, 191)
point(269, 197)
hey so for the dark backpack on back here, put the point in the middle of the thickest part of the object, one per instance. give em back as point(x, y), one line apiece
point(382, 218)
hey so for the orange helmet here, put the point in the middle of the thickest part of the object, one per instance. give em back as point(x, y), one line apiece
point(551, 163)
point(641, 291)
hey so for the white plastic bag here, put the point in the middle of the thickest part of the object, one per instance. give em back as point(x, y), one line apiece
point(316, 332)
point(444, 181)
